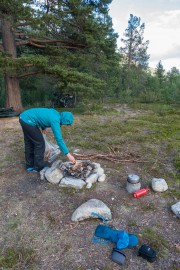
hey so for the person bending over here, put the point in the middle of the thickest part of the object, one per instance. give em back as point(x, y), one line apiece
point(32, 122)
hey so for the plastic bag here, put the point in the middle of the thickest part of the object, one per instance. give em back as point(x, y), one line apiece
point(51, 150)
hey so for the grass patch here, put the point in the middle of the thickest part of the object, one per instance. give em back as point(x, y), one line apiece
point(150, 236)
point(51, 219)
point(132, 223)
point(177, 163)
point(68, 191)
point(17, 258)
point(171, 193)
point(153, 136)
point(13, 223)
point(161, 109)
point(148, 207)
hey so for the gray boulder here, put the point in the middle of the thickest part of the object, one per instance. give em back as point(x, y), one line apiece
point(53, 175)
point(72, 182)
point(89, 185)
point(176, 209)
point(92, 178)
point(85, 210)
point(96, 165)
point(159, 184)
point(99, 171)
point(42, 173)
point(102, 178)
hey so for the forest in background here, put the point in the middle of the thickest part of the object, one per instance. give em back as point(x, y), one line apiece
point(70, 46)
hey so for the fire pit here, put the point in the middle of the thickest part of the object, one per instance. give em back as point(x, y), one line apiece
point(84, 172)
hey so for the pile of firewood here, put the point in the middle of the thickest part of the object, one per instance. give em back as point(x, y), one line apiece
point(82, 169)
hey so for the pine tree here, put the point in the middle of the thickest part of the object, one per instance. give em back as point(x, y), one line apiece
point(135, 49)
point(160, 72)
point(71, 40)
point(173, 74)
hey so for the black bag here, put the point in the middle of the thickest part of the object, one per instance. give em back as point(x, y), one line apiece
point(117, 256)
point(146, 252)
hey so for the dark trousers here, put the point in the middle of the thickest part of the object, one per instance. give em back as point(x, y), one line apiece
point(34, 146)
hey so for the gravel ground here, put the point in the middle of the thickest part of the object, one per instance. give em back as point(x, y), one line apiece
point(36, 216)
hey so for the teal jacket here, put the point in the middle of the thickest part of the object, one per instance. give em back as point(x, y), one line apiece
point(45, 118)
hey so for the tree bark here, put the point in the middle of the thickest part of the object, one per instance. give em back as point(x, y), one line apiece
point(13, 96)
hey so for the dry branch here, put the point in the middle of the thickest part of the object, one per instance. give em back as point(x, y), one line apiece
point(39, 43)
point(28, 73)
point(110, 157)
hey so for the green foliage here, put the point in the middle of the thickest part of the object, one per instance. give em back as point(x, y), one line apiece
point(11, 257)
point(150, 236)
point(79, 58)
point(160, 72)
point(135, 49)
point(37, 92)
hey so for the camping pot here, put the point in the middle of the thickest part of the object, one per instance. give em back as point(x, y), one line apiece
point(133, 183)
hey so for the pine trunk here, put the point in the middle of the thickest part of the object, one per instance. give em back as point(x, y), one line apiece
point(13, 96)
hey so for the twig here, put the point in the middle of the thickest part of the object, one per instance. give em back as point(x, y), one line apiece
point(109, 157)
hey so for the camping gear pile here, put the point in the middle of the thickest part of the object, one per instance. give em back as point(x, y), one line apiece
point(123, 240)
point(8, 112)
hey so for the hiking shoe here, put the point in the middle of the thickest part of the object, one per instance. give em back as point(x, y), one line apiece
point(34, 170)
point(29, 169)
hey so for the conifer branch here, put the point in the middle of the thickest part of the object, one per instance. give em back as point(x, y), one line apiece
point(38, 43)
point(27, 74)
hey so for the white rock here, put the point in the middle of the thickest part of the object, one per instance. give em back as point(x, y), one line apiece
point(96, 165)
point(159, 184)
point(92, 178)
point(76, 150)
point(102, 178)
point(42, 173)
point(99, 171)
point(72, 182)
point(85, 210)
point(176, 209)
point(56, 164)
point(89, 185)
point(53, 175)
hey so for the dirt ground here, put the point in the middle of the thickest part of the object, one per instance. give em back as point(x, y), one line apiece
point(36, 217)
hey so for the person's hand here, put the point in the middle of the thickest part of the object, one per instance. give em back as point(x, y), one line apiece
point(71, 158)
point(44, 131)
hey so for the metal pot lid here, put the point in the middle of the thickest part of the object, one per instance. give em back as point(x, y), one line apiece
point(133, 178)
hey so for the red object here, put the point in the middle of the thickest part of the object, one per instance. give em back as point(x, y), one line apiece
point(140, 192)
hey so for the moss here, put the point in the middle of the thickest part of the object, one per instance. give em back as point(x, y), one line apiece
point(132, 223)
point(68, 191)
point(172, 193)
point(13, 224)
point(177, 163)
point(51, 219)
point(150, 236)
point(12, 256)
point(148, 207)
